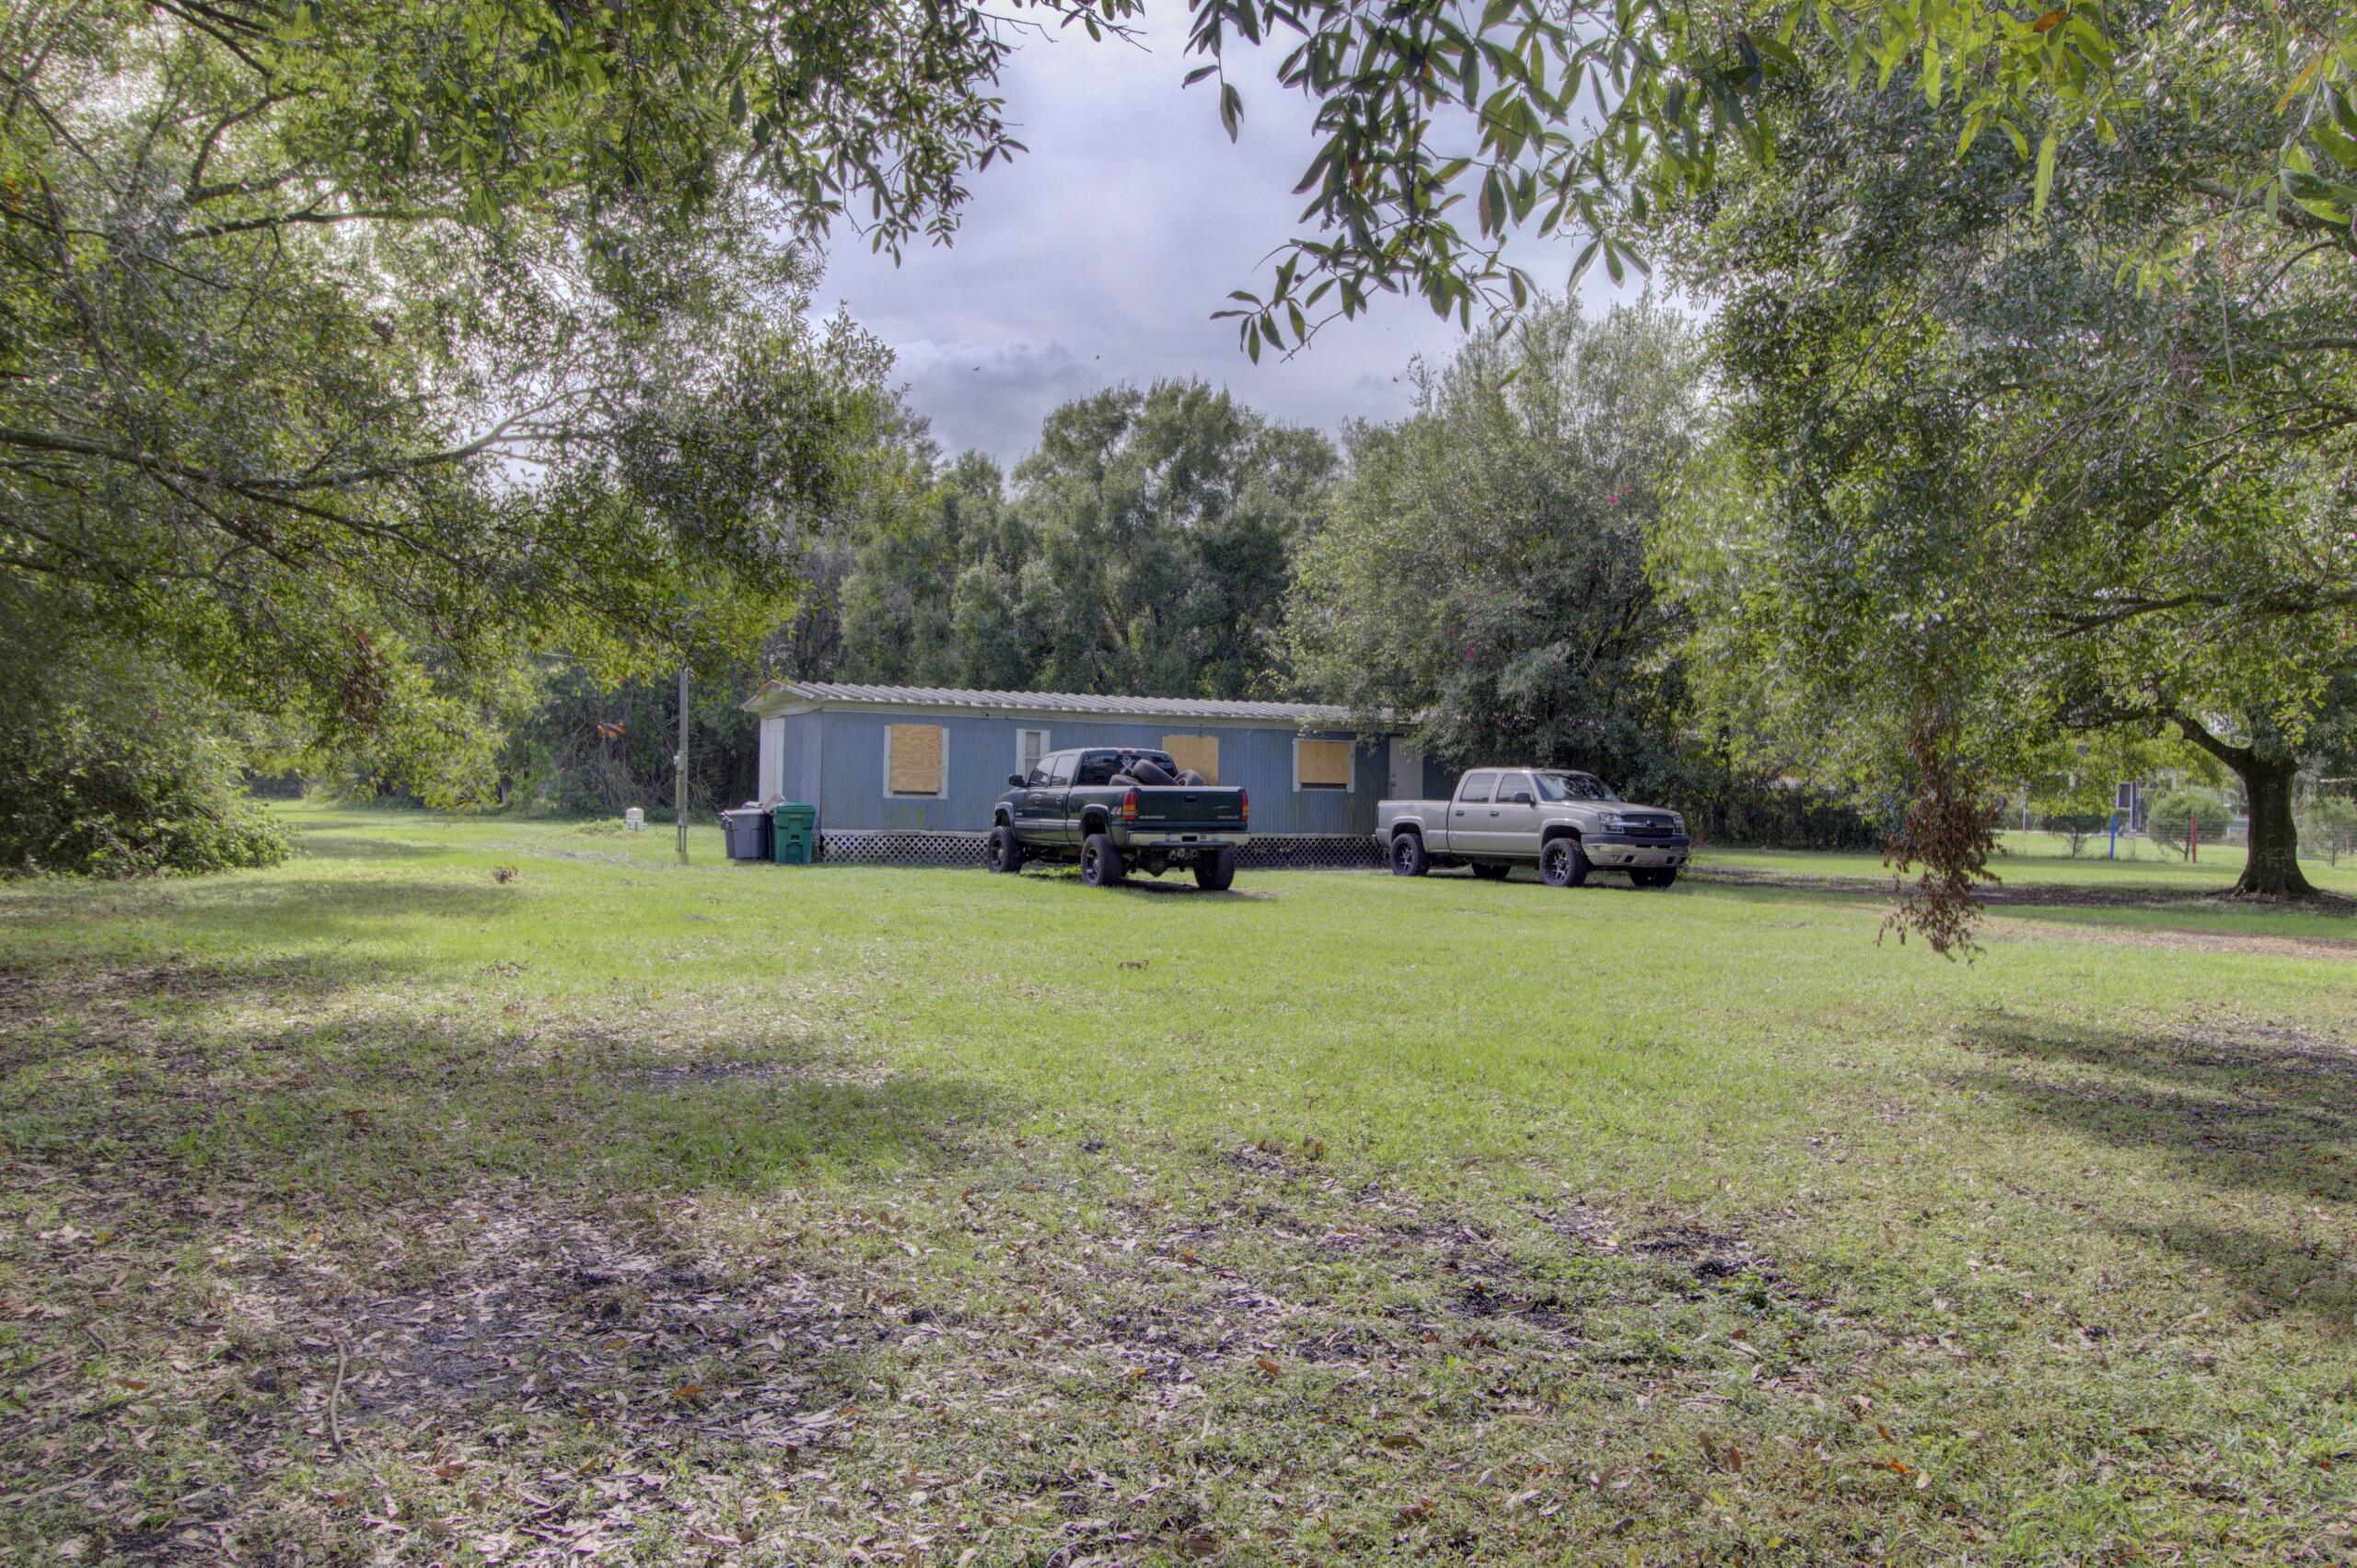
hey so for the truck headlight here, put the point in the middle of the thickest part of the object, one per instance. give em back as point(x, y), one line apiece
point(1677, 821)
point(1612, 819)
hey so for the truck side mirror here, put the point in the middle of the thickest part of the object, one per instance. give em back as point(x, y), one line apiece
point(1016, 779)
point(1520, 797)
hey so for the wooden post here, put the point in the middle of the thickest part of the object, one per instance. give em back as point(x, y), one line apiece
point(679, 761)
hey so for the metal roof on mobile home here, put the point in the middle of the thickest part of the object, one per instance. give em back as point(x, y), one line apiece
point(781, 697)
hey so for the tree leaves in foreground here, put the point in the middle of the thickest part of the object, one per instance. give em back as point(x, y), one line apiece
point(1445, 129)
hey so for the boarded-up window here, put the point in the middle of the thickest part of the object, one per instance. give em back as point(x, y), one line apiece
point(1200, 752)
point(1321, 765)
point(912, 759)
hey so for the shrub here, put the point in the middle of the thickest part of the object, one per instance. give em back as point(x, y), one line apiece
point(2077, 825)
point(1767, 815)
point(2328, 825)
point(2172, 815)
point(116, 770)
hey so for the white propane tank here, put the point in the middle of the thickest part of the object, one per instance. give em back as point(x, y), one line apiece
point(634, 820)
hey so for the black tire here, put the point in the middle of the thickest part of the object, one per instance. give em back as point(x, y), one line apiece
point(1408, 856)
point(1653, 876)
point(1215, 873)
point(1100, 863)
point(1004, 852)
point(1563, 863)
point(1489, 873)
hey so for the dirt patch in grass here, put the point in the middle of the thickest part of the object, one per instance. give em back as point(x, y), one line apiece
point(2030, 929)
point(401, 1353)
point(690, 1075)
point(538, 1379)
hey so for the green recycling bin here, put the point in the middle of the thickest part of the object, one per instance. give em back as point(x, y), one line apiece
point(794, 836)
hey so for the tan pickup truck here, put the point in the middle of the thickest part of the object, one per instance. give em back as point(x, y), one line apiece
point(1566, 824)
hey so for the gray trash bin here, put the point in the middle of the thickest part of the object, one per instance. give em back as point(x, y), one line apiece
point(748, 833)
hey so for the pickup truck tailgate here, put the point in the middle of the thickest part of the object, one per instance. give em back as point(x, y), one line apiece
point(1187, 807)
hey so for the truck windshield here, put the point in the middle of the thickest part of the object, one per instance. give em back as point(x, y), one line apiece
point(1573, 786)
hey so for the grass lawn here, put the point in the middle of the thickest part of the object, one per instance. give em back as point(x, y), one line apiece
point(2044, 860)
point(488, 1191)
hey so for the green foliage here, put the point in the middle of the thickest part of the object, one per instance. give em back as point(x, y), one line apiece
point(1978, 470)
point(2176, 814)
point(1145, 547)
point(1443, 135)
point(1484, 563)
point(2328, 826)
point(583, 748)
point(350, 354)
point(119, 767)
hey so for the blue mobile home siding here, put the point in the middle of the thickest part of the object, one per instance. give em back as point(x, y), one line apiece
point(805, 750)
point(836, 758)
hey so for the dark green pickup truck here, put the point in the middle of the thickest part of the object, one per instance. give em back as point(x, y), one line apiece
point(1086, 806)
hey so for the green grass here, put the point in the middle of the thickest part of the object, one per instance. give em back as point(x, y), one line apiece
point(473, 1192)
point(2043, 860)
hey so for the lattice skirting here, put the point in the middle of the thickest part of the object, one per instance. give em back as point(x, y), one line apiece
point(1311, 851)
point(900, 848)
point(1282, 852)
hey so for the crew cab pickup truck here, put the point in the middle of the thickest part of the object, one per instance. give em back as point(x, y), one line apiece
point(1069, 809)
point(1566, 824)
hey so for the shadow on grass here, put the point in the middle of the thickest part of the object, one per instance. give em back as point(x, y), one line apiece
point(484, 1216)
point(317, 911)
point(345, 1100)
point(2263, 1108)
point(326, 843)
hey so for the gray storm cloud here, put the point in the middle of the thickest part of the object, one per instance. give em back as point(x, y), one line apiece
point(1100, 257)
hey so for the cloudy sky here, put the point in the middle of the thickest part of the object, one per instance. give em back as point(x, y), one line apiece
point(1098, 258)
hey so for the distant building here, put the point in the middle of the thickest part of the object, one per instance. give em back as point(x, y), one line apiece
point(895, 769)
point(2130, 801)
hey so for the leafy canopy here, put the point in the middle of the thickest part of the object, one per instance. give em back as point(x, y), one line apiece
point(1484, 563)
point(1983, 478)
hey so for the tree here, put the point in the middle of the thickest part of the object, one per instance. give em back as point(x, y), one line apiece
point(2177, 815)
point(345, 355)
point(1987, 483)
point(1483, 567)
point(2328, 825)
point(1146, 547)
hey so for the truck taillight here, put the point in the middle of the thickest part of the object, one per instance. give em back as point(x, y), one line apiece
point(1130, 807)
point(1244, 804)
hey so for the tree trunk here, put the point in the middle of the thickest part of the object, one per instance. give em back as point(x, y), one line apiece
point(2266, 769)
point(2273, 868)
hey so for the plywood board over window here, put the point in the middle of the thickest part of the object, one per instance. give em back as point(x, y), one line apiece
point(1200, 752)
point(1321, 765)
point(913, 756)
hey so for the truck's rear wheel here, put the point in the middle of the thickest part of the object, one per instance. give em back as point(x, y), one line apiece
point(1215, 872)
point(1489, 872)
point(1005, 851)
point(1562, 864)
point(1408, 856)
point(1100, 863)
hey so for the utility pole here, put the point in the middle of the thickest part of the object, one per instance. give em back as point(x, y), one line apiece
point(679, 767)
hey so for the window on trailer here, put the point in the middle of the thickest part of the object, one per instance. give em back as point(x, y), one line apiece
point(1031, 745)
point(916, 759)
point(1200, 752)
point(1322, 764)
